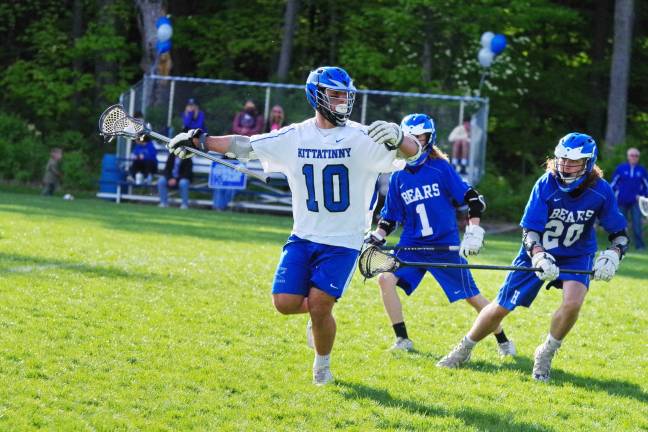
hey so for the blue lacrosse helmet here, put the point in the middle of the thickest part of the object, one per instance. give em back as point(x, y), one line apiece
point(576, 147)
point(419, 124)
point(334, 78)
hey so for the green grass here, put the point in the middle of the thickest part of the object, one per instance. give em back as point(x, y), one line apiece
point(130, 317)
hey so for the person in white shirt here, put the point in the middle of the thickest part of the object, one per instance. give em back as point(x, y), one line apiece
point(331, 164)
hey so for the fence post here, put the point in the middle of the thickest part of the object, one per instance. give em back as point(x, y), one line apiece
point(266, 108)
point(363, 113)
point(170, 108)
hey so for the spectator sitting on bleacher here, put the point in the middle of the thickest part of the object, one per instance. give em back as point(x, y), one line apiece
point(144, 156)
point(193, 117)
point(247, 122)
point(276, 120)
point(177, 173)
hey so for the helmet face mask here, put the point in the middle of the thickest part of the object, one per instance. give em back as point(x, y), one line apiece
point(331, 92)
point(575, 157)
point(420, 125)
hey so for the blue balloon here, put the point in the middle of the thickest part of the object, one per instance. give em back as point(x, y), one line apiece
point(163, 46)
point(498, 43)
point(162, 20)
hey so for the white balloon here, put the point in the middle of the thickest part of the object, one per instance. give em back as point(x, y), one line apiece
point(485, 57)
point(486, 39)
point(164, 32)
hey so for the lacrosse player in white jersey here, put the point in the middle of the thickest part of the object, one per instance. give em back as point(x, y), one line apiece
point(332, 165)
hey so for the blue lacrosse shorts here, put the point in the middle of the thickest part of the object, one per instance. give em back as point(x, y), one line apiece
point(304, 264)
point(457, 284)
point(521, 288)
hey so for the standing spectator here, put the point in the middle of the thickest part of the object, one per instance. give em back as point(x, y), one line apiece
point(53, 175)
point(248, 122)
point(177, 173)
point(193, 117)
point(276, 120)
point(460, 139)
point(630, 181)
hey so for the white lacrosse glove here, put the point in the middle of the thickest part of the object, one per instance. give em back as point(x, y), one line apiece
point(389, 134)
point(473, 240)
point(606, 265)
point(547, 263)
point(185, 139)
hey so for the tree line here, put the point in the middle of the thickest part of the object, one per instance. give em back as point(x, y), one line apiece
point(64, 61)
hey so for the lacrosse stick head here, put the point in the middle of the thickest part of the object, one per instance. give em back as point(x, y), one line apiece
point(116, 122)
point(643, 205)
point(374, 261)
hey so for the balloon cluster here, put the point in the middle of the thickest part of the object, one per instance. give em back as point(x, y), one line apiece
point(164, 33)
point(492, 45)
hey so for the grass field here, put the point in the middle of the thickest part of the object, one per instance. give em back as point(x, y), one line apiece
point(126, 317)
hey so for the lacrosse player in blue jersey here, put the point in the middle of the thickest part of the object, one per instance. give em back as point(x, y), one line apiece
point(557, 232)
point(421, 198)
point(332, 165)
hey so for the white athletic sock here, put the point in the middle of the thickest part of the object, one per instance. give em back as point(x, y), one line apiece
point(464, 162)
point(552, 343)
point(469, 343)
point(455, 161)
point(321, 361)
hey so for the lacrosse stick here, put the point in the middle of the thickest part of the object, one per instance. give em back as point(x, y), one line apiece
point(116, 122)
point(373, 261)
point(420, 248)
point(643, 205)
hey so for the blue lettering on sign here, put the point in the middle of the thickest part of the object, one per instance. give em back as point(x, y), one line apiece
point(222, 177)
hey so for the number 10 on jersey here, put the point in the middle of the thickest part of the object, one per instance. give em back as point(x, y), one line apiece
point(335, 182)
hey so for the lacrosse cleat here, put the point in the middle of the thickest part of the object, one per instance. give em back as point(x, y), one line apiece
point(309, 335)
point(458, 356)
point(542, 362)
point(322, 376)
point(506, 349)
point(402, 344)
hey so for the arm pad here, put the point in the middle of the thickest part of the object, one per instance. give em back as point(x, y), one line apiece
point(240, 146)
point(476, 203)
point(530, 239)
point(387, 225)
point(620, 241)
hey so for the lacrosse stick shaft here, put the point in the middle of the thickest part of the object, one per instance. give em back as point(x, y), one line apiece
point(487, 267)
point(238, 168)
point(420, 248)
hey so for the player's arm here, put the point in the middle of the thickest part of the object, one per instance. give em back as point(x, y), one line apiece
point(393, 138)
point(473, 239)
point(378, 237)
point(236, 145)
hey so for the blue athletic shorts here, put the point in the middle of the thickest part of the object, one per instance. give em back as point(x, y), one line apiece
point(304, 264)
point(456, 283)
point(521, 288)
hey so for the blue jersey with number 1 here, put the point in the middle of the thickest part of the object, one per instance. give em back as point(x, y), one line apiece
point(420, 199)
point(567, 222)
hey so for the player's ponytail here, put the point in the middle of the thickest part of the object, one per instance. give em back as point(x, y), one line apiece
point(437, 153)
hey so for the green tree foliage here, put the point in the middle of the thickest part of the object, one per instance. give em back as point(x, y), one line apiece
point(539, 88)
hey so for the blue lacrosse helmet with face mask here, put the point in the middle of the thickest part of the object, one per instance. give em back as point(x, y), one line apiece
point(334, 78)
point(419, 124)
point(576, 147)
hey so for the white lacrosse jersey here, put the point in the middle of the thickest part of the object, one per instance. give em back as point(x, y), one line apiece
point(332, 175)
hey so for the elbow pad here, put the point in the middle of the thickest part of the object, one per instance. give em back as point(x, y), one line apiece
point(530, 239)
point(240, 147)
point(620, 241)
point(476, 203)
point(387, 225)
